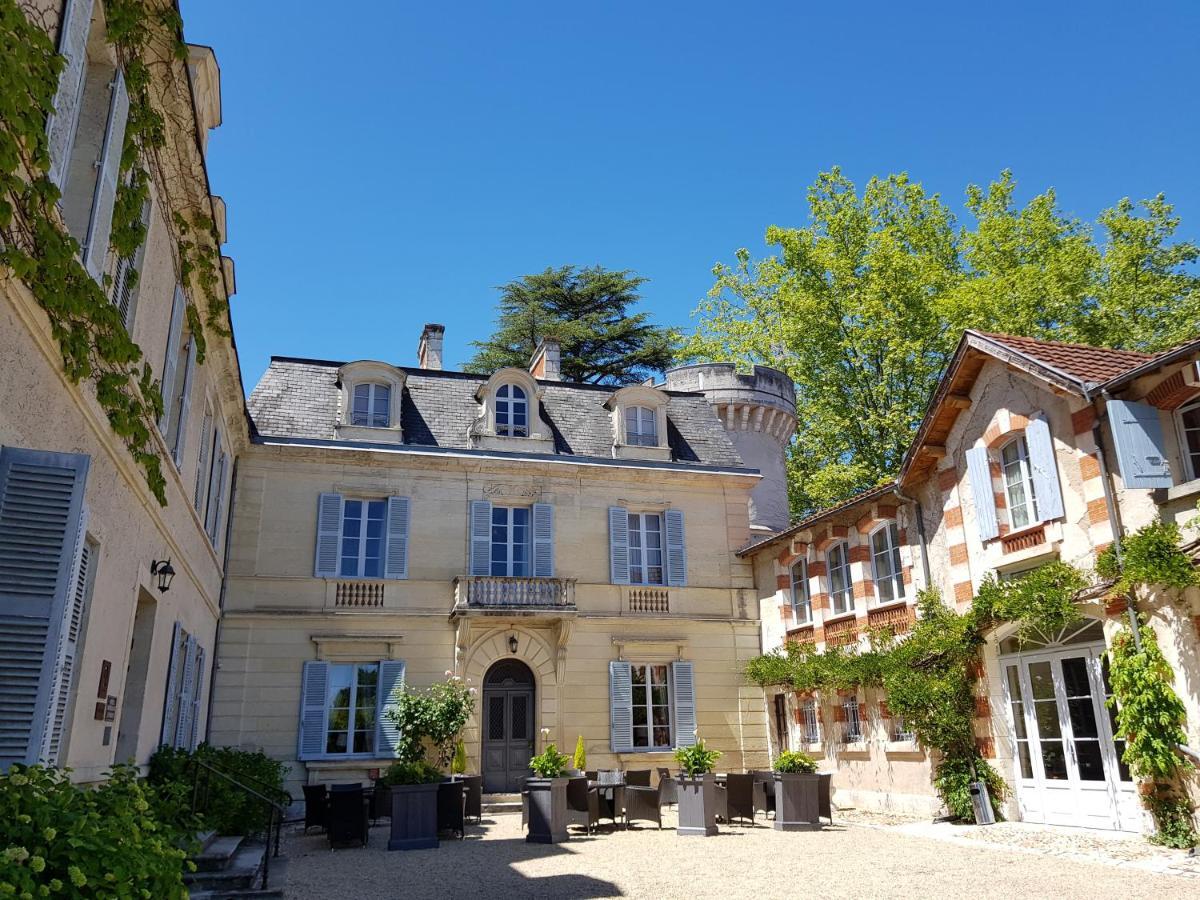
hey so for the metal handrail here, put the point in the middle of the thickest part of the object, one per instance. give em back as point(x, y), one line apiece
point(275, 811)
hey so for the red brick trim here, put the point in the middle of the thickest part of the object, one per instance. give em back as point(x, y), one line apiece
point(1089, 467)
point(983, 708)
point(963, 592)
point(987, 747)
point(1082, 420)
point(953, 517)
point(958, 554)
point(1097, 511)
point(860, 553)
point(947, 479)
point(1115, 606)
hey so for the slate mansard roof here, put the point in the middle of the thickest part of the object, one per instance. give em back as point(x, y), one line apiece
point(298, 399)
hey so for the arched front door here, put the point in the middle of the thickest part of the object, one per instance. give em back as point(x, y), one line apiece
point(507, 726)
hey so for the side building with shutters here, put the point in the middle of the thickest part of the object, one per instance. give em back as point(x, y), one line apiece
point(97, 664)
point(1030, 451)
point(569, 548)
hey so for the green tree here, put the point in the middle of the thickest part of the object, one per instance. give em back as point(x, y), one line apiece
point(587, 310)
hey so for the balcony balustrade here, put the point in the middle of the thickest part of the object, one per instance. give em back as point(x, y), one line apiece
point(497, 593)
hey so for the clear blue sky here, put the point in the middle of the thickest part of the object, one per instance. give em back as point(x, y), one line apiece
point(389, 164)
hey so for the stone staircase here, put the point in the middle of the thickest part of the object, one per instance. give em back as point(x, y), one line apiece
point(229, 866)
point(501, 803)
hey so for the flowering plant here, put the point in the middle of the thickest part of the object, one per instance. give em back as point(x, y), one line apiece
point(696, 760)
point(439, 713)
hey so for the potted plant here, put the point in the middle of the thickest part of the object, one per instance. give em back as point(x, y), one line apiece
point(697, 789)
point(414, 787)
point(547, 797)
point(797, 792)
point(580, 759)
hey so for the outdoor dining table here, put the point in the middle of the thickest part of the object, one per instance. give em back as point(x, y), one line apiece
point(613, 795)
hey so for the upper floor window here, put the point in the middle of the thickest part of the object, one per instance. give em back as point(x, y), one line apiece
point(362, 538)
point(886, 564)
point(841, 587)
point(510, 541)
point(1189, 433)
point(372, 406)
point(1018, 483)
point(645, 548)
point(801, 602)
point(512, 411)
point(641, 426)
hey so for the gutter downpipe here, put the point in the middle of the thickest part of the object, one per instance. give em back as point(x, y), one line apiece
point(903, 497)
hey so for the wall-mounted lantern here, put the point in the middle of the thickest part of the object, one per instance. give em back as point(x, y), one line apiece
point(163, 569)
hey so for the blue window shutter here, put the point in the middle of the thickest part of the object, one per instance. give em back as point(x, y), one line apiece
point(676, 548)
point(1141, 451)
point(167, 386)
point(166, 735)
point(618, 544)
point(185, 404)
point(314, 686)
point(41, 503)
point(391, 681)
point(683, 701)
point(187, 695)
point(396, 563)
point(194, 734)
point(481, 537)
point(543, 540)
point(620, 704)
point(95, 245)
point(68, 645)
point(980, 475)
point(329, 535)
point(1043, 467)
point(64, 121)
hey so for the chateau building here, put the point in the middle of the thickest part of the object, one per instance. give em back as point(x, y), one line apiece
point(1030, 451)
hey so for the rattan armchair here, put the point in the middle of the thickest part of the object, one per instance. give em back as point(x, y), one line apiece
point(644, 803)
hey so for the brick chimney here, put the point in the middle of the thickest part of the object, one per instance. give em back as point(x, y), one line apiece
point(429, 350)
point(546, 363)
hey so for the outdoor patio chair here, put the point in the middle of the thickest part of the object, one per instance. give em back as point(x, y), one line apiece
point(348, 815)
point(739, 793)
point(473, 789)
point(612, 802)
point(638, 777)
point(670, 786)
point(591, 775)
point(824, 796)
point(644, 803)
point(583, 804)
point(316, 806)
point(764, 793)
point(381, 801)
point(450, 804)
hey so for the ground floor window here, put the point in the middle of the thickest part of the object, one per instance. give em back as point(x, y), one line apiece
point(781, 720)
point(351, 708)
point(810, 722)
point(651, 707)
point(852, 720)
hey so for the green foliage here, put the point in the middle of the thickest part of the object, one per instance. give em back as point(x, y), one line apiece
point(863, 306)
point(587, 310)
point(549, 763)
point(791, 761)
point(1040, 600)
point(1173, 821)
point(225, 808)
point(416, 771)
point(697, 759)
point(437, 714)
point(67, 841)
point(953, 776)
point(458, 765)
point(579, 761)
point(1151, 557)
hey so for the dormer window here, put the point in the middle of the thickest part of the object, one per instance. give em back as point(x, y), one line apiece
point(372, 406)
point(641, 426)
point(510, 414)
point(639, 418)
point(512, 411)
point(371, 394)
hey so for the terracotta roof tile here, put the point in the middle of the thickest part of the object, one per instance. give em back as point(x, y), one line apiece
point(1080, 361)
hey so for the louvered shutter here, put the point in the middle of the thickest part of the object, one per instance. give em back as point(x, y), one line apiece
point(329, 535)
point(95, 247)
point(481, 537)
point(391, 680)
point(398, 514)
point(618, 544)
point(314, 687)
point(167, 386)
point(979, 473)
point(41, 502)
point(171, 701)
point(620, 705)
point(202, 472)
point(543, 540)
point(683, 697)
point(197, 696)
point(72, 44)
point(1043, 468)
point(187, 694)
point(676, 548)
point(1141, 451)
point(216, 502)
point(68, 645)
point(128, 276)
point(185, 403)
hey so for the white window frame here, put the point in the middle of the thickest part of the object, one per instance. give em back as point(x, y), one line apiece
point(649, 705)
point(1189, 465)
point(897, 731)
point(350, 715)
point(510, 543)
point(361, 537)
point(511, 403)
point(642, 431)
point(373, 396)
point(1024, 478)
point(852, 715)
point(847, 594)
point(891, 556)
point(800, 597)
point(810, 721)
point(642, 549)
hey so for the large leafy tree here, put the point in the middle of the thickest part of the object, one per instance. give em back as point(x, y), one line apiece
point(862, 306)
point(588, 311)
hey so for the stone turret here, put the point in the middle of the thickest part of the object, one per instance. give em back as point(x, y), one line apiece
point(758, 410)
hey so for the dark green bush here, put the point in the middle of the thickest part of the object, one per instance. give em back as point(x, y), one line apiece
point(58, 839)
point(223, 807)
point(416, 772)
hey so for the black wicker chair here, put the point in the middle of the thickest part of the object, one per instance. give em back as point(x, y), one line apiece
point(473, 789)
point(644, 803)
point(583, 804)
point(451, 803)
point(638, 777)
point(316, 806)
point(381, 802)
point(670, 787)
point(612, 805)
point(740, 797)
point(348, 815)
point(764, 793)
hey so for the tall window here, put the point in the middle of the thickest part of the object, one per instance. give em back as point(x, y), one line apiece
point(801, 602)
point(1189, 435)
point(362, 538)
point(645, 549)
point(781, 720)
point(651, 707)
point(841, 589)
point(512, 411)
point(1018, 484)
point(810, 722)
point(510, 540)
point(351, 708)
point(641, 426)
point(885, 562)
point(372, 405)
point(852, 717)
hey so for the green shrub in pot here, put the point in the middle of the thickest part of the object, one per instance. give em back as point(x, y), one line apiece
point(795, 762)
point(697, 759)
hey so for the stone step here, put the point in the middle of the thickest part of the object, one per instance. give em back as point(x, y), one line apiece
point(241, 872)
point(501, 803)
point(274, 891)
point(217, 853)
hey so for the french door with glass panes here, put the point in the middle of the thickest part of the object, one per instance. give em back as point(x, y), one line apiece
point(1067, 763)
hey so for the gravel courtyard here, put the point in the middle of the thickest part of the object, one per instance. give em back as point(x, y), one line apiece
point(847, 860)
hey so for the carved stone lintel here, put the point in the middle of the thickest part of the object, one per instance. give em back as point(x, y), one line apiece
point(506, 489)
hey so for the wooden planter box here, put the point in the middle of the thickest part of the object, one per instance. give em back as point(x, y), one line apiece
point(547, 810)
point(414, 817)
point(697, 806)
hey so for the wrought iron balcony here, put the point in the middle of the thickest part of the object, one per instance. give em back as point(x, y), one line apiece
point(493, 593)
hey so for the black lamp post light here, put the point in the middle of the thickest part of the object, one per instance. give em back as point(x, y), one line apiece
point(165, 572)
